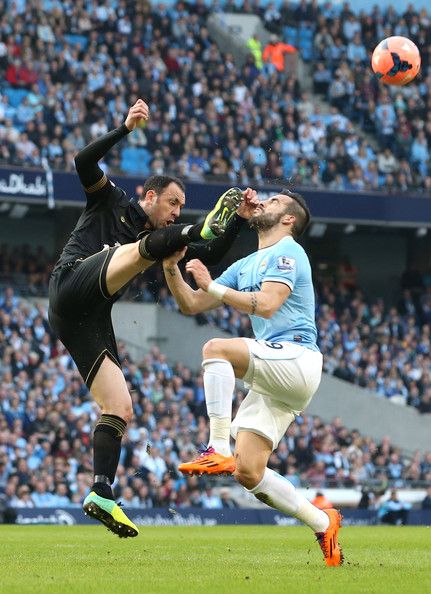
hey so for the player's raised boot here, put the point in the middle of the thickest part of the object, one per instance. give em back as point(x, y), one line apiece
point(218, 219)
point(209, 462)
point(109, 513)
point(328, 540)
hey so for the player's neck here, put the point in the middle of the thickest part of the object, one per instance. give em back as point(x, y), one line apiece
point(271, 236)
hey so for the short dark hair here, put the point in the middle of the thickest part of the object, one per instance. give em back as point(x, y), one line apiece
point(298, 207)
point(159, 182)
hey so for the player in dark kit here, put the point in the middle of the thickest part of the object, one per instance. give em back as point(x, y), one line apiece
point(114, 240)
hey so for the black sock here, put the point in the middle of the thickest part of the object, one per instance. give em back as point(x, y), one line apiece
point(103, 490)
point(162, 243)
point(106, 452)
point(194, 232)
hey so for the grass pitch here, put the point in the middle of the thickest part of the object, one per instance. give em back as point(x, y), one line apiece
point(211, 560)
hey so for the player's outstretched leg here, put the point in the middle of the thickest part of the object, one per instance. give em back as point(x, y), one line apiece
point(209, 462)
point(217, 220)
point(110, 514)
point(328, 540)
point(252, 454)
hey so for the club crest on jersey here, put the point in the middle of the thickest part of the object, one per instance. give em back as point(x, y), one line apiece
point(285, 263)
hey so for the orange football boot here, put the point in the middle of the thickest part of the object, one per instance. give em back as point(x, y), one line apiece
point(328, 540)
point(209, 462)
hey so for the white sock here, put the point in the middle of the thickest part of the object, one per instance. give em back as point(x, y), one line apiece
point(279, 493)
point(219, 384)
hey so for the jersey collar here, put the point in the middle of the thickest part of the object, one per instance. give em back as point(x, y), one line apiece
point(137, 213)
point(273, 244)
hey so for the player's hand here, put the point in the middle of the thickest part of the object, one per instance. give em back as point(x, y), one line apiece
point(200, 273)
point(249, 204)
point(174, 259)
point(138, 114)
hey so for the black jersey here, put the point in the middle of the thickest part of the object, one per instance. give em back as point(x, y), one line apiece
point(110, 218)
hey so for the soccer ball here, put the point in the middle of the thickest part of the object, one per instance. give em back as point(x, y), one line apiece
point(396, 61)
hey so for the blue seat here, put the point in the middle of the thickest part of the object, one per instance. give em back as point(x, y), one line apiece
point(288, 165)
point(290, 35)
point(15, 96)
point(306, 53)
point(305, 43)
point(381, 179)
point(77, 40)
point(306, 32)
point(136, 161)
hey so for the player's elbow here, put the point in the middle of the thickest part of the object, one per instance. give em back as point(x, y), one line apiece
point(78, 159)
point(266, 309)
point(188, 309)
point(185, 309)
point(263, 312)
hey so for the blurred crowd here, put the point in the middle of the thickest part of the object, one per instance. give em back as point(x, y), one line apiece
point(338, 43)
point(380, 346)
point(384, 347)
point(70, 70)
point(47, 417)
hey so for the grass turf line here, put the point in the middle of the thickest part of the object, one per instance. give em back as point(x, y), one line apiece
point(211, 560)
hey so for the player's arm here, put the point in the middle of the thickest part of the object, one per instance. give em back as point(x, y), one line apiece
point(189, 301)
point(211, 252)
point(263, 303)
point(87, 160)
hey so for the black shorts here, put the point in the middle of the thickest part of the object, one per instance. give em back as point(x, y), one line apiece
point(80, 312)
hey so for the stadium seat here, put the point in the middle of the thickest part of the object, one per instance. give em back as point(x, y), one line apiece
point(306, 32)
point(15, 96)
point(77, 40)
point(290, 35)
point(381, 180)
point(306, 53)
point(305, 45)
point(288, 165)
point(135, 161)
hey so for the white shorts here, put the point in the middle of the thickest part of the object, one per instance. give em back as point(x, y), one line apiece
point(282, 379)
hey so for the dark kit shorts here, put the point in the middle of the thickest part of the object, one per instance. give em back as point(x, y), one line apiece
point(80, 312)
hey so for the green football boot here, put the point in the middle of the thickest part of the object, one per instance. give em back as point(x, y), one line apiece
point(218, 219)
point(110, 514)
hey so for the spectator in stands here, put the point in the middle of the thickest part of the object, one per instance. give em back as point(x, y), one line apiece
point(35, 442)
point(367, 499)
point(226, 500)
point(321, 501)
point(22, 498)
point(275, 51)
point(210, 500)
point(393, 511)
point(419, 152)
point(41, 496)
point(353, 89)
point(387, 162)
point(255, 47)
point(426, 502)
point(424, 406)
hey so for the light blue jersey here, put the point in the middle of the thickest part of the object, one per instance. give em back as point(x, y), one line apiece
point(284, 262)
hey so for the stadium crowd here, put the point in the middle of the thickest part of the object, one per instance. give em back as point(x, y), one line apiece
point(376, 345)
point(46, 419)
point(71, 69)
point(384, 349)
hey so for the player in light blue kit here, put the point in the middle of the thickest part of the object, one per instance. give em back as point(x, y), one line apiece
point(282, 366)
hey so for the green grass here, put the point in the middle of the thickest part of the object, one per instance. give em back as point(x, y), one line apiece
point(209, 560)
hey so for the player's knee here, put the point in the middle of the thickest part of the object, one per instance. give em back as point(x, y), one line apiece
point(212, 349)
point(135, 254)
point(125, 412)
point(246, 476)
